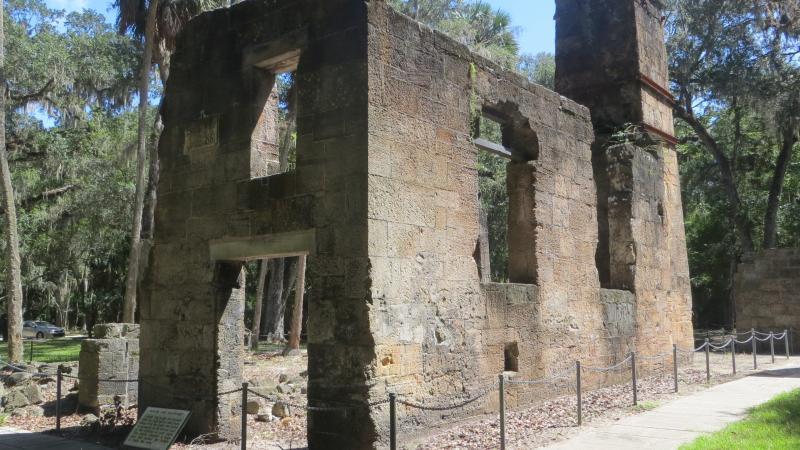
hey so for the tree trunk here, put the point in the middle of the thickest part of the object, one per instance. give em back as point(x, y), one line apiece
point(262, 279)
point(273, 316)
point(776, 189)
point(13, 262)
point(297, 314)
point(131, 281)
point(62, 301)
point(743, 226)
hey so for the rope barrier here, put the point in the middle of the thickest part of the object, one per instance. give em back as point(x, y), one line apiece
point(744, 342)
point(762, 340)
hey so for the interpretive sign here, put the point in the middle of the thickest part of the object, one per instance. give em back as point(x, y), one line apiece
point(157, 429)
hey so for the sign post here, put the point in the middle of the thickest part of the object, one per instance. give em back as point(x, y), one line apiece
point(157, 429)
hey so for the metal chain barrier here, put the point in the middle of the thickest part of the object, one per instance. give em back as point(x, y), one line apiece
point(462, 404)
point(609, 369)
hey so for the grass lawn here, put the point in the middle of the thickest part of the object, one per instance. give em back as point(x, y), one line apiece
point(64, 349)
point(774, 425)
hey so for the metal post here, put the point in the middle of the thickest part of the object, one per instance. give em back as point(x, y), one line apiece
point(755, 349)
point(675, 365)
point(502, 412)
point(392, 421)
point(772, 346)
point(578, 383)
point(244, 416)
point(733, 354)
point(786, 342)
point(633, 378)
point(708, 361)
point(58, 399)
point(30, 355)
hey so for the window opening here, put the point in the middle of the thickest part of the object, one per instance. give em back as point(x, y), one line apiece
point(506, 144)
point(511, 356)
point(274, 139)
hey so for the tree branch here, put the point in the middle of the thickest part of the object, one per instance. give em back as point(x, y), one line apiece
point(46, 195)
point(32, 96)
point(743, 225)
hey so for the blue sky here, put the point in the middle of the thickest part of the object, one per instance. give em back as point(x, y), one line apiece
point(535, 23)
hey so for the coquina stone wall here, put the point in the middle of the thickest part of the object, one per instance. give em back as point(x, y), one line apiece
point(384, 200)
point(112, 355)
point(767, 293)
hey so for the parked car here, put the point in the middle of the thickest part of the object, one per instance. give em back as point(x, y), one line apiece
point(40, 330)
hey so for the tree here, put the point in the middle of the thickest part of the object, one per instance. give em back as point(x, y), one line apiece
point(63, 66)
point(737, 54)
point(734, 72)
point(14, 275)
point(262, 278)
point(474, 23)
point(157, 23)
point(296, 329)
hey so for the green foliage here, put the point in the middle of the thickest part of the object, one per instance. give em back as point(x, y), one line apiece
point(734, 70)
point(73, 180)
point(774, 425)
point(539, 68)
point(493, 192)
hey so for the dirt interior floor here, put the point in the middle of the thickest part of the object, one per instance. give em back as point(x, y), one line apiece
point(283, 379)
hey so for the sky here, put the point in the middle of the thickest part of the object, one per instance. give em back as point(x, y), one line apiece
point(532, 18)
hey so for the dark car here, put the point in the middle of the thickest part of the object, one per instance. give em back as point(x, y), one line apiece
point(40, 330)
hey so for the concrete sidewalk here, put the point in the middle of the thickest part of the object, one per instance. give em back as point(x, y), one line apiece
point(12, 438)
point(681, 421)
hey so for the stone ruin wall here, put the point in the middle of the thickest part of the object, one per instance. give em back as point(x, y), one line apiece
point(111, 354)
point(767, 293)
point(384, 201)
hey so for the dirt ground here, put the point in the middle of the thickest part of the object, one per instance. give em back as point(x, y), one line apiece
point(283, 379)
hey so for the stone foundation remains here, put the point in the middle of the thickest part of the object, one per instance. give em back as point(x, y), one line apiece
point(384, 200)
point(113, 354)
point(767, 293)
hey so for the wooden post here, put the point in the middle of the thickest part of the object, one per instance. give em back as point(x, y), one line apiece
point(675, 365)
point(633, 379)
point(392, 421)
point(772, 346)
point(578, 384)
point(297, 314)
point(58, 399)
point(708, 361)
point(733, 354)
point(755, 349)
point(786, 342)
point(244, 416)
point(502, 412)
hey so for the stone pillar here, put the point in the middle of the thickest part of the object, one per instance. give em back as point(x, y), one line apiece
point(611, 57)
point(113, 354)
